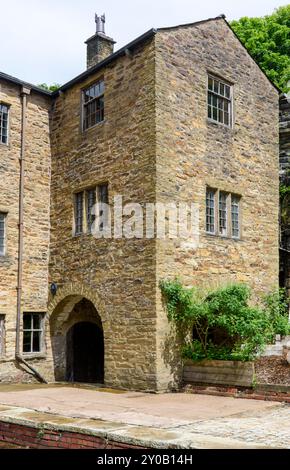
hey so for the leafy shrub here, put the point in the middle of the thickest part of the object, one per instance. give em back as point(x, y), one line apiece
point(224, 325)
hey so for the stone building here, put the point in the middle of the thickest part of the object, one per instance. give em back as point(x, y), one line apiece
point(181, 115)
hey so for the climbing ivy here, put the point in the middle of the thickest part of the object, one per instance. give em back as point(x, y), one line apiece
point(221, 322)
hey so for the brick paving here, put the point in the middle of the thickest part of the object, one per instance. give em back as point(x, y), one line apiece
point(137, 419)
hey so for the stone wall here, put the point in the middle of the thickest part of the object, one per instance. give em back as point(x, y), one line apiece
point(119, 272)
point(155, 144)
point(36, 217)
point(193, 153)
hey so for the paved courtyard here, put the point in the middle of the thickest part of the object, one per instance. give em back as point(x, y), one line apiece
point(163, 420)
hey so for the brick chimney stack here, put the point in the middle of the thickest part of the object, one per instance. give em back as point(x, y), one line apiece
point(99, 46)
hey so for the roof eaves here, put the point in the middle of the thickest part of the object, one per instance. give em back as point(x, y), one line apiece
point(106, 61)
point(16, 81)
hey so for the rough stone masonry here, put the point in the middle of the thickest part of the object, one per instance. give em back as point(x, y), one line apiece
point(155, 144)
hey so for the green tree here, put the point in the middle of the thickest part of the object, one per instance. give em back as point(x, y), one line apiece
point(268, 41)
point(53, 87)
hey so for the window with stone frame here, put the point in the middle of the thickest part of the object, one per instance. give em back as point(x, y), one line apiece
point(223, 213)
point(93, 104)
point(219, 101)
point(88, 204)
point(2, 334)
point(33, 333)
point(103, 198)
point(79, 212)
point(210, 210)
point(2, 233)
point(235, 215)
point(4, 123)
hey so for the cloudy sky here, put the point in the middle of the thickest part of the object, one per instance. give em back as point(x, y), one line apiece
point(43, 41)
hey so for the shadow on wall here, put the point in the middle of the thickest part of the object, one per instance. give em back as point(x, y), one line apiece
point(171, 353)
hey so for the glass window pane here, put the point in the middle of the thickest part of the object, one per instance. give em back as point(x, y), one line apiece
point(210, 211)
point(79, 212)
point(209, 112)
point(210, 83)
point(3, 124)
point(228, 91)
point(235, 216)
point(36, 341)
point(36, 321)
point(27, 322)
point(223, 213)
point(91, 201)
point(26, 341)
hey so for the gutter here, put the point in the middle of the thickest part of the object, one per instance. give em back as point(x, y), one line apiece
point(24, 93)
point(16, 81)
point(123, 51)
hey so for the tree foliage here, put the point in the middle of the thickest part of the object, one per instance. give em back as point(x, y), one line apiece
point(223, 324)
point(52, 88)
point(268, 41)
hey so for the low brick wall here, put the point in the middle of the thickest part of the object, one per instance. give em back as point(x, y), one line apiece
point(42, 438)
point(219, 372)
point(262, 392)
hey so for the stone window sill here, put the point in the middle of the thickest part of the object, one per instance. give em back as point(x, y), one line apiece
point(222, 237)
point(219, 124)
point(28, 356)
point(84, 131)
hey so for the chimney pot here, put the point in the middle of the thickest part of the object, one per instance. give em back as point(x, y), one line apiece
point(99, 46)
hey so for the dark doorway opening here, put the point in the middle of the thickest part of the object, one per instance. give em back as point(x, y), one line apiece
point(85, 353)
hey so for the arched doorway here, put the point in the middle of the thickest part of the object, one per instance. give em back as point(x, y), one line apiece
point(77, 341)
point(85, 353)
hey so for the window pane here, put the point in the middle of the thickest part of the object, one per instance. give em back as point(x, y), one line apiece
point(27, 322)
point(209, 112)
point(2, 233)
point(27, 341)
point(36, 341)
point(79, 213)
point(210, 211)
point(104, 193)
point(235, 216)
point(91, 201)
point(223, 213)
point(210, 83)
point(3, 124)
point(103, 196)
point(228, 91)
point(36, 321)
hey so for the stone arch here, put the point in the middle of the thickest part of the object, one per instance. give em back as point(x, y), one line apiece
point(68, 295)
point(72, 304)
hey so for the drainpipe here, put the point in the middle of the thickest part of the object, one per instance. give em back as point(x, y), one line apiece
point(24, 93)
